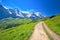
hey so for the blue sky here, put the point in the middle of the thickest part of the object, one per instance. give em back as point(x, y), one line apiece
point(46, 7)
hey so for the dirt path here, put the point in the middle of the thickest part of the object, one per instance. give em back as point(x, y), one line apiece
point(54, 35)
point(38, 33)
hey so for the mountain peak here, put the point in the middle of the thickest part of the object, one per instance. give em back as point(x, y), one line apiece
point(16, 13)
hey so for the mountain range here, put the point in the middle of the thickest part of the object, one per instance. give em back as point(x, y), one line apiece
point(16, 13)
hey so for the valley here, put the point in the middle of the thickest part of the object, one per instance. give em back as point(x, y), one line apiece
point(16, 24)
point(25, 29)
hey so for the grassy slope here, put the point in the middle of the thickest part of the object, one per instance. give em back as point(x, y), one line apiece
point(21, 32)
point(54, 24)
point(17, 33)
point(10, 22)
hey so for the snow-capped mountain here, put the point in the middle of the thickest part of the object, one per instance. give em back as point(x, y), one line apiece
point(16, 13)
point(32, 15)
point(3, 12)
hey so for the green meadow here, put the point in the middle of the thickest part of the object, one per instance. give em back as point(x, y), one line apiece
point(21, 32)
point(22, 28)
point(54, 24)
point(17, 32)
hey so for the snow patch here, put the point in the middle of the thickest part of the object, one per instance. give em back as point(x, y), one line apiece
point(5, 7)
point(9, 12)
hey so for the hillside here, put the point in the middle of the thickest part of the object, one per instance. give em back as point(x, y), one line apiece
point(11, 22)
point(20, 32)
point(17, 33)
point(54, 23)
point(16, 24)
point(20, 29)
